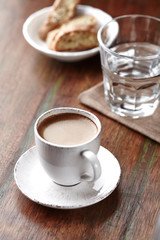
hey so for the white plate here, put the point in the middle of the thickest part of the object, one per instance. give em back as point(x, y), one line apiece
point(33, 23)
point(34, 183)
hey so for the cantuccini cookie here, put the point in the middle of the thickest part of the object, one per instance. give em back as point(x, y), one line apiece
point(62, 11)
point(77, 34)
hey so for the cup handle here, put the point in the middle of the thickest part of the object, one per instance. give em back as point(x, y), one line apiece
point(93, 160)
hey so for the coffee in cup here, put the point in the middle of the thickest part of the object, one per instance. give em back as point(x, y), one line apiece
point(67, 141)
point(67, 129)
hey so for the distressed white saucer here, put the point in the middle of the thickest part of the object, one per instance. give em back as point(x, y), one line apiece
point(35, 184)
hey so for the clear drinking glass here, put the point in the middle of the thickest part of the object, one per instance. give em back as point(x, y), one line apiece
point(130, 60)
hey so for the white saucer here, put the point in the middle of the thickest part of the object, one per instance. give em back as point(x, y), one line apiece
point(33, 23)
point(35, 184)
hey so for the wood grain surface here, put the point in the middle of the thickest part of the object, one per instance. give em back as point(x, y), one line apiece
point(31, 83)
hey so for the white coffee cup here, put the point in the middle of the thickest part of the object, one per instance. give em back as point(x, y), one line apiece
point(69, 165)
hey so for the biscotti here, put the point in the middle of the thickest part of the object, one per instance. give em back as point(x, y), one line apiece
point(63, 10)
point(84, 22)
point(78, 34)
point(75, 41)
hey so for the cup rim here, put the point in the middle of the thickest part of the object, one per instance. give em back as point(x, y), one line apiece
point(101, 44)
point(94, 118)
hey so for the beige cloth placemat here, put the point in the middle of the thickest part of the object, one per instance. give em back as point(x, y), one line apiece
point(148, 126)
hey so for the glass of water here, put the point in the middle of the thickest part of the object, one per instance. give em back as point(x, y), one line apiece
point(130, 60)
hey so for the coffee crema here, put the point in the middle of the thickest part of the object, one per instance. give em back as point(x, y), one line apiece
point(67, 129)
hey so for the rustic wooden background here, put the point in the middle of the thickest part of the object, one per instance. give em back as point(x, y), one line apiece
point(31, 83)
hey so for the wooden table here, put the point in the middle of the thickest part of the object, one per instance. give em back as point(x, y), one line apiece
point(32, 83)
